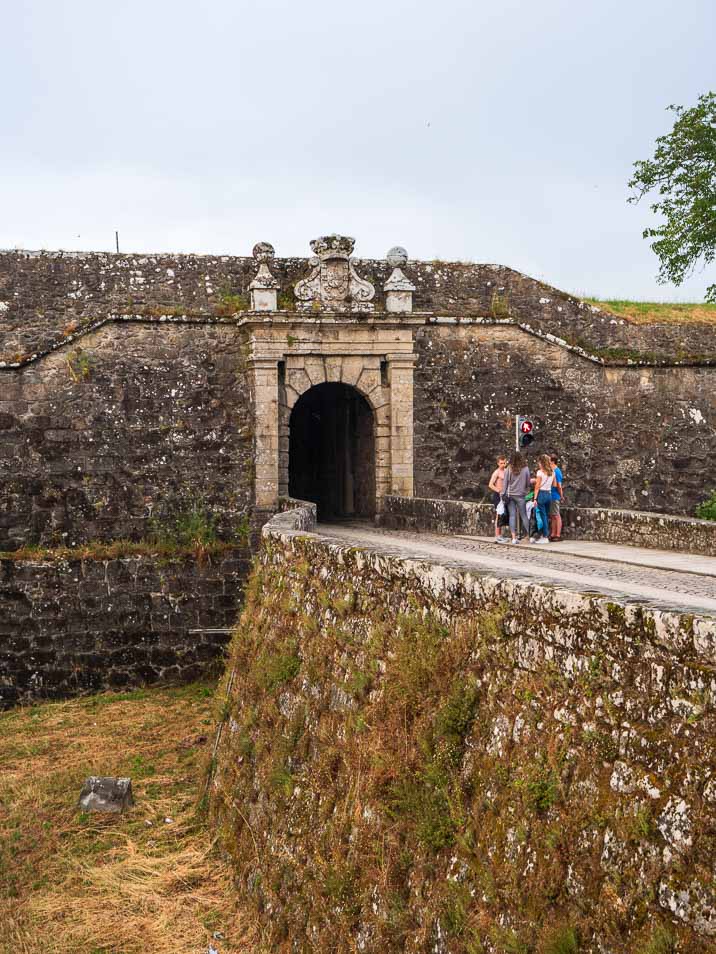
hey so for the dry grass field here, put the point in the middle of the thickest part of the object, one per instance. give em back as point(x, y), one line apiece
point(148, 880)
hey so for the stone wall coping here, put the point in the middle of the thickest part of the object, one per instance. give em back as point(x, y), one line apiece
point(455, 320)
point(605, 511)
point(295, 516)
point(663, 518)
point(441, 577)
point(386, 319)
point(117, 318)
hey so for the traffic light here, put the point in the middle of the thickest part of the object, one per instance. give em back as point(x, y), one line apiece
point(525, 431)
point(526, 435)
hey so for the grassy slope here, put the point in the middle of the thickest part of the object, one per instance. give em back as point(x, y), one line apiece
point(649, 312)
point(70, 881)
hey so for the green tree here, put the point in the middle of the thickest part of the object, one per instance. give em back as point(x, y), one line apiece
point(683, 176)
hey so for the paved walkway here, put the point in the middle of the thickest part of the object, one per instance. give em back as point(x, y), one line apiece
point(673, 581)
point(637, 556)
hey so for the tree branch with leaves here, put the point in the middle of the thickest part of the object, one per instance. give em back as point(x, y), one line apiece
point(682, 174)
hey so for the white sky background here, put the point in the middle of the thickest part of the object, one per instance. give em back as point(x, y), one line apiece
point(501, 131)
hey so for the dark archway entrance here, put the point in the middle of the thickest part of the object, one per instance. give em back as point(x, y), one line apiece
point(332, 452)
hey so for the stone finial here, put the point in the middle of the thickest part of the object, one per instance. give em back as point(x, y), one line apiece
point(397, 256)
point(398, 289)
point(333, 284)
point(264, 287)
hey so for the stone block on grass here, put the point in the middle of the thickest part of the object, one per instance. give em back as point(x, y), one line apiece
point(106, 794)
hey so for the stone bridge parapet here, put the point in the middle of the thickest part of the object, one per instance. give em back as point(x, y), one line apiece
point(628, 527)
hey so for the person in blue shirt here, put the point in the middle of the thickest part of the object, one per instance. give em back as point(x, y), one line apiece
point(555, 516)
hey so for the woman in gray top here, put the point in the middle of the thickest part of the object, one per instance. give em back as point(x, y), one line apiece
point(515, 488)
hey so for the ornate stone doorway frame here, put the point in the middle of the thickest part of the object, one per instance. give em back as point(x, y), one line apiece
point(291, 352)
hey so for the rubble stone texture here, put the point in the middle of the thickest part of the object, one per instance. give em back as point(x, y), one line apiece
point(414, 757)
point(82, 625)
point(128, 387)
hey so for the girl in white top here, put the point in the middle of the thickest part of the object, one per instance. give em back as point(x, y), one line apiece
point(543, 497)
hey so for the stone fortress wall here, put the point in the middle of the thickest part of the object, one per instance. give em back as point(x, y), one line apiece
point(631, 437)
point(125, 394)
point(135, 389)
point(140, 424)
point(427, 758)
point(72, 625)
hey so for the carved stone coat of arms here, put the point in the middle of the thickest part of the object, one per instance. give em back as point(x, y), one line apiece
point(333, 284)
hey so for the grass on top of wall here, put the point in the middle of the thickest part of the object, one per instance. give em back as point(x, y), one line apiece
point(190, 533)
point(650, 312)
point(116, 549)
point(147, 880)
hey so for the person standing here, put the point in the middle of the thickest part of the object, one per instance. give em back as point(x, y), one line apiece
point(543, 497)
point(496, 485)
point(555, 508)
point(515, 487)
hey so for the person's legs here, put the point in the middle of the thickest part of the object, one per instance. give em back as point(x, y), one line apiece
point(543, 501)
point(555, 519)
point(512, 511)
point(522, 507)
point(495, 502)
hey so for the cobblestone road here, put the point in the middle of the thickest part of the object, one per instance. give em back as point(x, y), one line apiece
point(692, 592)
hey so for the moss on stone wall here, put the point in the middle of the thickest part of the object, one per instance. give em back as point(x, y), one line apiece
point(411, 759)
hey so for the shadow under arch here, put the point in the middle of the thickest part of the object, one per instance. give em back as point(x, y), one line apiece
point(332, 457)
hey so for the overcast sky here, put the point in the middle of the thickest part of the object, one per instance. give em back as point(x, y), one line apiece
point(499, 131)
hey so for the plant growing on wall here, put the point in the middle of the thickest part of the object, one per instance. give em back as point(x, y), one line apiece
point(230, 302)
point(707, 509)
point(682, 173)
point(79, 365)
point(193, 529)
point(500, 304)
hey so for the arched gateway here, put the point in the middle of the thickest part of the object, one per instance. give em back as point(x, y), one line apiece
point(331, 457)
point(332, 384)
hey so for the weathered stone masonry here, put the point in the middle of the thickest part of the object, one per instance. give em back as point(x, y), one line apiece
point(146, 421)
point(70, 626)
point(128, 386)
point(135, 390)
point(638, 438)
point(429, 759)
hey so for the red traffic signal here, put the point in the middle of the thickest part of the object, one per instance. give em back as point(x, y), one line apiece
point(524, 428)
